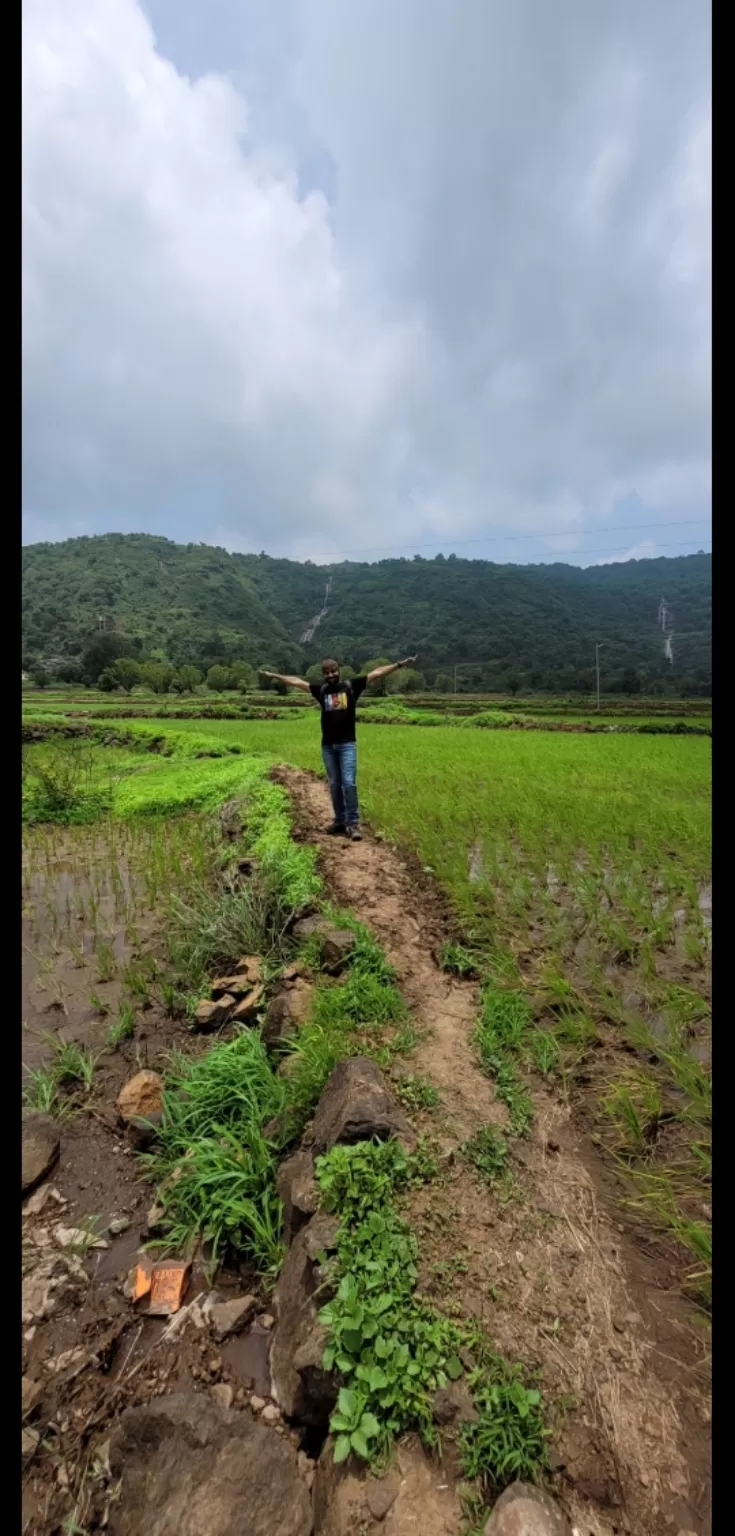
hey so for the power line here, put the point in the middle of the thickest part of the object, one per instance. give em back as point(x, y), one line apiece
point(540, 533)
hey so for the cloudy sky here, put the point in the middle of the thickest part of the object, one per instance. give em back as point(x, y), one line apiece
point(331, 277)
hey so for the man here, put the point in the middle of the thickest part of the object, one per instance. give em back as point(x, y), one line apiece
point(337, 701)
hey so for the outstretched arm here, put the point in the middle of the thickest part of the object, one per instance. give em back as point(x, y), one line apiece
point(393, 667)
point(291, 682)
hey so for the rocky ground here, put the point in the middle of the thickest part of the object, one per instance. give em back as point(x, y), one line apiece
point(214, 1419)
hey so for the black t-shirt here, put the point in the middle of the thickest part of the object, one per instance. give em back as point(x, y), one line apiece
point(337, 705)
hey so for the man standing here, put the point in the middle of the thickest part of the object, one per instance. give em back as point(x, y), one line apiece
point(337, 701)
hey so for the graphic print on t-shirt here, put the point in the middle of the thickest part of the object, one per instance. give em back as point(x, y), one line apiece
point(335, 701)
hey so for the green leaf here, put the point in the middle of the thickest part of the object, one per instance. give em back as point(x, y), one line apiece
point(453, 1367)
point(342, 1448)
point(347, 1403)
point(340, 1421)
point(377, 1378)
point(359, 1444)
point(369, 1426)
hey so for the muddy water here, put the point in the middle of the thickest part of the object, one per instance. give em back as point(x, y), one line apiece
point(81, 904)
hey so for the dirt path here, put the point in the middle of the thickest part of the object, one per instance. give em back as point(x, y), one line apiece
point(553, 1272)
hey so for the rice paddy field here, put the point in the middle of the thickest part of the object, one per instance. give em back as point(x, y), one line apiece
point(569, 876)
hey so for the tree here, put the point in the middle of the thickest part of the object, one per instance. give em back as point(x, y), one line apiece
point(40, 678)
point(243, 676)
point(157, 675)
point(442, 683)
point(513, 683)
point(189, 678)
point(69, 672)
point(107, 681)
point(103, 651)
point(405, 680)
point(127, 673)
point(218, 679)
point(377, 687)
point(630, 681)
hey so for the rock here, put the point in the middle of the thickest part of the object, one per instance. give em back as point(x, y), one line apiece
point(524, 1510)
point(257, 1404)
point(143, 1132)
point(266, 1321)
point(29, 1441)
point(287, 1011)
point(191, 1468)
point(210, 1016)
point(246, 1011)
point(381, 1494)
point(356, 1106)
point(237, 986)
point(141, 1097)
point(222, 1394)
point(118, 1225)
point(336, 944)
point(454, 1403)
point(296, 1187)
point(301, 1386)
point(229, 1317)
point(31, 1392)
point(271, 1414)
point(40, 1148)
point(252, 966)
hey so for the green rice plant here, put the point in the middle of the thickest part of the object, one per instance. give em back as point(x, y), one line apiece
point(124, 1026)
point(41, 1091)
point(73, 1065)
point(137, 980)
point(633, 1105)
point(106, 961)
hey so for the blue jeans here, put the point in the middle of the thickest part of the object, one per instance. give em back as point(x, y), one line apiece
point(340, 761)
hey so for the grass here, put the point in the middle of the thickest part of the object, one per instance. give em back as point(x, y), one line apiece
point(214, 1163)
point(55, 1089)
point(415, 1092)
point(487, 1151)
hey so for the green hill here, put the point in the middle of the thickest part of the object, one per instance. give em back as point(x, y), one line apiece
point(194, 603)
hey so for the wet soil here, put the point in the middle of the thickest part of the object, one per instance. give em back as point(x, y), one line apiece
point(557, 1273)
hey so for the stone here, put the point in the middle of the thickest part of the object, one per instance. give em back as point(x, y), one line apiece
point(246, 1011)
point(336, 944)
point(40, 1148)
point(454, 1404)
point(228, 1317)
point(257, 1404)
point(381, 1494)
point(296, 1187)
point(271, 1414)
point(356, 1105)
point(524, 1510)
point(301, 1387)
point(31, 1392)
point(287, 1011)
point(29, 1440)
point(211, 1016)
point(142, 1133)
point(141, 1097)
point(236, 985)
point(189, 1467)
point(252, 966)
point(222, 1393)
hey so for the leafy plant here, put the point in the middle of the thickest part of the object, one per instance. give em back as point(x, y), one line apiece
point(416, 1092)
point(354, 1427)
point(487, 1151)
point(508, 1440)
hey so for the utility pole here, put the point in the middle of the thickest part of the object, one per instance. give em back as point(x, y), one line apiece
point(598, 646)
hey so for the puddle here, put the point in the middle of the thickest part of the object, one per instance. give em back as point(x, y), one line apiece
point(247, 1357)
point(119, 1258)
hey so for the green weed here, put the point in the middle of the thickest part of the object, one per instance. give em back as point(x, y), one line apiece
point(487, 1151)
point(124, 1026)
point(415, 1092)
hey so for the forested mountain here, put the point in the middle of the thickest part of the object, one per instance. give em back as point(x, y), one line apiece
point(198, 604)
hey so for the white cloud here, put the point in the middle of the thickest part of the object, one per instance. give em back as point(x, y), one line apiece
point(501, 322)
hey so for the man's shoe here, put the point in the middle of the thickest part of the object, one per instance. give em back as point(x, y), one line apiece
point(354, 834)
point(336, 829)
